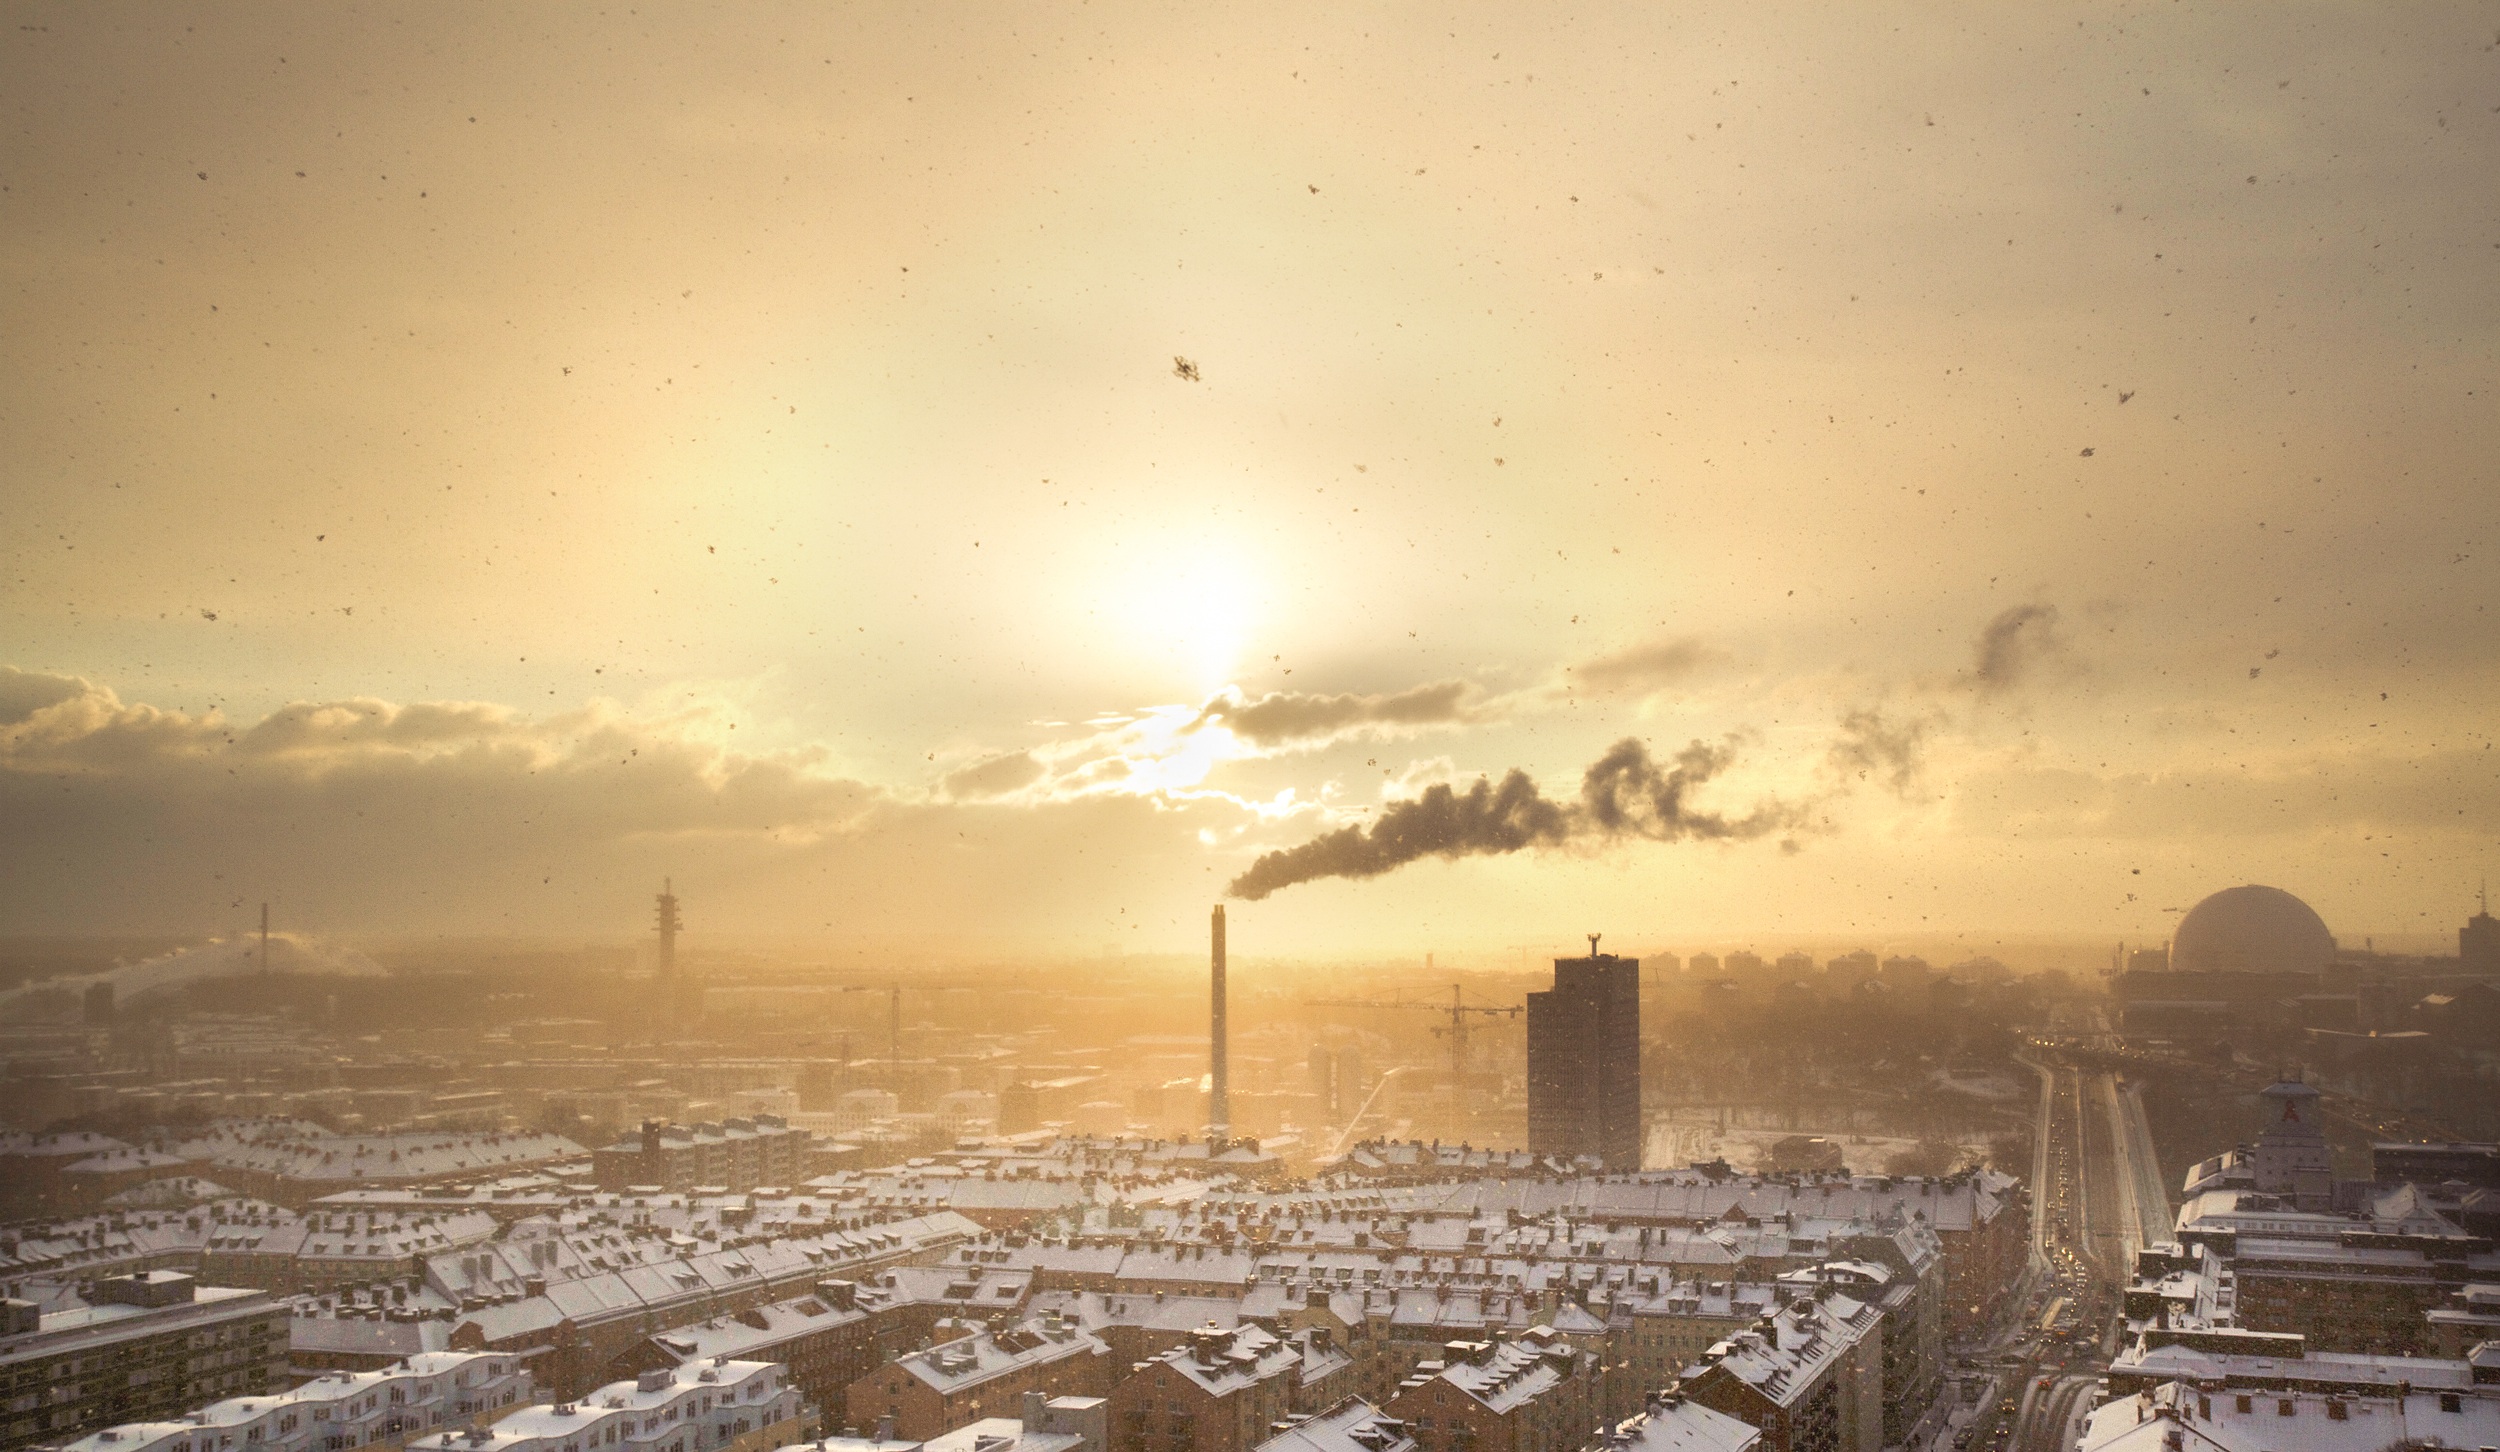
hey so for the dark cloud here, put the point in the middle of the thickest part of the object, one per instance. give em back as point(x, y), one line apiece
point(1624, 793)
point(1289, 718)
point(995, 777)
point(118, 808)
point(1647, 667)
point(23, 693)
point(2013, 647)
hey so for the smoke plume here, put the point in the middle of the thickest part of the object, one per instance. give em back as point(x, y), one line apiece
point(2013, 646)
point(1624, 793)
point(1873, 746)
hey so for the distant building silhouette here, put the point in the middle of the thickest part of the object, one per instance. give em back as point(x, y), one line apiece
point(2251, 929)
point(1584, 1060)
point(2478, 942)
point(680, 995)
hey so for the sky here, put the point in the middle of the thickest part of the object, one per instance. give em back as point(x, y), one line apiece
point(986, 477)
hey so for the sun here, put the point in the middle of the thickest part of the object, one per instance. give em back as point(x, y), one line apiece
point(1191, 618)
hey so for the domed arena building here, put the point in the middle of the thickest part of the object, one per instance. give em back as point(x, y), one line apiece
point(2252, 929)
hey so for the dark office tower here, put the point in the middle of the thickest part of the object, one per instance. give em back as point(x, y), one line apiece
point(1584, 1060)
point(2478, 942)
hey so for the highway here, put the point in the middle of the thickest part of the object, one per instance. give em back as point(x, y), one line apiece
point(2097, 1199)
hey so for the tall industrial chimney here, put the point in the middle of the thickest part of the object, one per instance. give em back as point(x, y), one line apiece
point(264, 937)
point(1219, 1097)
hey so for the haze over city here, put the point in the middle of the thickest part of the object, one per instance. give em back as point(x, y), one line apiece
point(1124, 728)
point(982, 479)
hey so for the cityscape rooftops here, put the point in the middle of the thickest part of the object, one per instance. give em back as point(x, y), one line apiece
point(1678, 1424)
point(2139, 1365)
point(107, 1322)
point(1003, 1434)
point(428, 1376)
point(1503, 1375)
point(1222, 1361)
point(969, 1360)
point(757, 1327)
point(2177, 1417)
point(1784, 1356)
point(725, 1381)
point(1352, 1425)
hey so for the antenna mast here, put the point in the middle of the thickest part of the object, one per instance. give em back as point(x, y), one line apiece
point(668, 930)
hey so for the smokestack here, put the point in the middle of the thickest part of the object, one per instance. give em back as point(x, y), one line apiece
point(1219, 1099)
point(264, 937)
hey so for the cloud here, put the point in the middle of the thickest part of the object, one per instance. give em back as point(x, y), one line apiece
point(23, 693)
point(1647, 667)
point(995, 777)
point(1288, 719)
point(364, 797)
point(1624, 793)
point(2013, 647)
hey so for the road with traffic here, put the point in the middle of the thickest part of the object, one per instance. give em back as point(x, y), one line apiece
point(2097, 1199)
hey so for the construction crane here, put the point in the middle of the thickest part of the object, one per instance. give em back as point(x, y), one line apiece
point(1456, 1032)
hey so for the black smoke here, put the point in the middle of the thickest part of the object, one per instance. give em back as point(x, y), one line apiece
point(1624, 793)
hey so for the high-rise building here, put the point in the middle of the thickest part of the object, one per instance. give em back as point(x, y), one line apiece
point(2478, 942)
point(1584, 1060)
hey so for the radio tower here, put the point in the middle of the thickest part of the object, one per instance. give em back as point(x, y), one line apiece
point(668, 931)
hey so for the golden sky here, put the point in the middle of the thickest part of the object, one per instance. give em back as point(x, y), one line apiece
point(459, 463)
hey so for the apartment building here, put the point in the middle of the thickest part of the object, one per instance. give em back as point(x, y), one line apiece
point(1218, 1391)
point(1535, 1394)
point(724, 1406)
point(149, 1346)
point(375, 1410)
point(977, 1374)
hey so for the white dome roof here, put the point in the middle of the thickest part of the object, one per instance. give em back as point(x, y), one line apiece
point(2252, 929)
